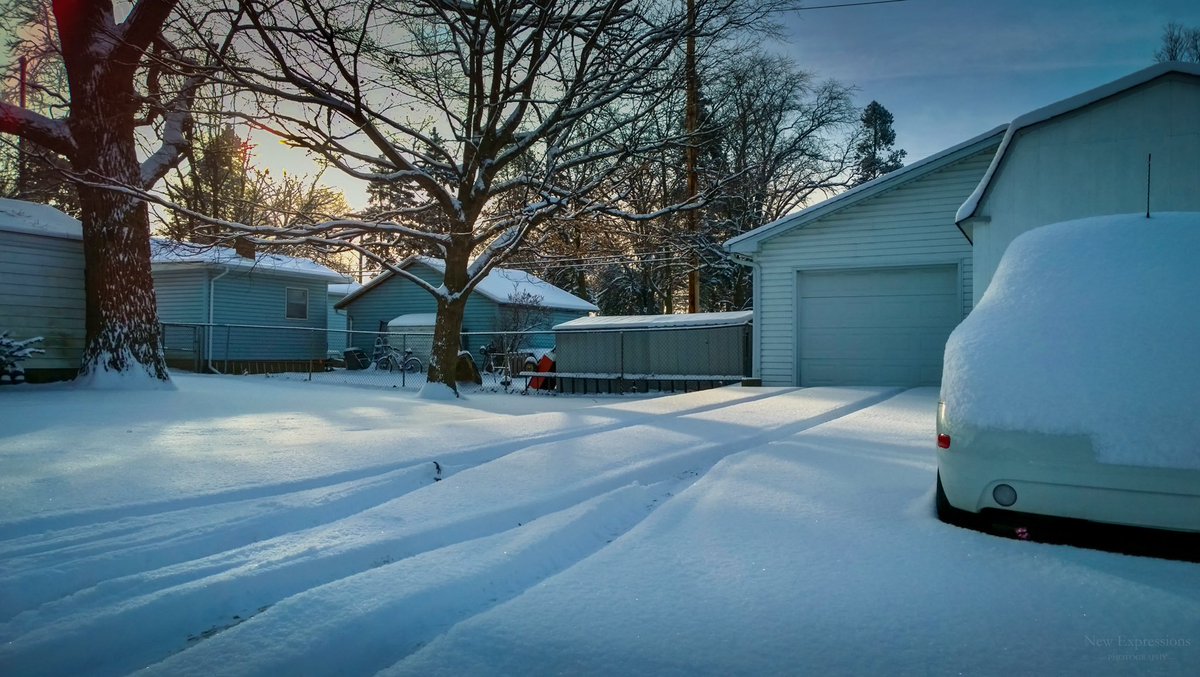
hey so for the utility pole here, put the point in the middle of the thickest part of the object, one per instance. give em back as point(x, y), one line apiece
point(690, 124)
point(22, 164)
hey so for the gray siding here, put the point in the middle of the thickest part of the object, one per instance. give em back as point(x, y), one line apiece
point(709, 351)
point(912, 224)
point(41, 294)
point(1092, 162)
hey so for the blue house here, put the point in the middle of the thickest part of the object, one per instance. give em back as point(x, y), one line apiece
point(389, 296)
point(235, 310)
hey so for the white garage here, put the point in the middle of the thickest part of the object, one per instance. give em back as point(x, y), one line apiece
point(875, 326)
point(865, 287)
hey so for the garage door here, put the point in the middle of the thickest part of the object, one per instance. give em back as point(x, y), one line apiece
point(877, 327)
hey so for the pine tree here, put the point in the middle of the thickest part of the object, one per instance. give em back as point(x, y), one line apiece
point(874, 156)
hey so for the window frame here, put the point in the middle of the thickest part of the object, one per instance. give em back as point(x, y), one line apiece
point(287, 303)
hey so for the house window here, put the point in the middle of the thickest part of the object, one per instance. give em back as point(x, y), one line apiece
point(297, 304)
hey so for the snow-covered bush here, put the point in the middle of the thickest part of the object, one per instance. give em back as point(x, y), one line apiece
point(12, 353)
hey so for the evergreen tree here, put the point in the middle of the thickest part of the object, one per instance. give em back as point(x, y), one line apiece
point(874, 156)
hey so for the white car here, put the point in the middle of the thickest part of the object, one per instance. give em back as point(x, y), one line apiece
point(1073, 388)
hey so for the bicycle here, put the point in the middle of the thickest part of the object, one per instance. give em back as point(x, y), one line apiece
point(393, 359)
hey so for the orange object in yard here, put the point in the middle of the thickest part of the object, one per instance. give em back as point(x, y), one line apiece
point(544, 365)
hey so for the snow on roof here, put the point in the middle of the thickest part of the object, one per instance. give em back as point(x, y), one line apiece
point(344, 288)
point(31, 218)
point(968, 208)
point(1089, 327)
point(694, 320)
point(414, 320)
point(748, 241)
point(499, 285)
point(171, 253)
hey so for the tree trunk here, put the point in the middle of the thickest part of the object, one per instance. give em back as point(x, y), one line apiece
point(447, 332)
point(122, 333)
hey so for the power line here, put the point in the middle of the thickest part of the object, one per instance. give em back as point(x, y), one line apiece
point(850, 4)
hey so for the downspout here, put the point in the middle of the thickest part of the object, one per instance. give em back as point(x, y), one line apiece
point(212, 290)
point(755, 301)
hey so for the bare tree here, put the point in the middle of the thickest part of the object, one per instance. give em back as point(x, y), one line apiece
point(125, 78)
point(1179, 43)
point(545, 101)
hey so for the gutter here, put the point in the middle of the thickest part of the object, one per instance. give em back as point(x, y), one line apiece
point(212, 290)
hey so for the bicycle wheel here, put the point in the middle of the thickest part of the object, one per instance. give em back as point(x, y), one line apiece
point(413, 366)
point(383, 363)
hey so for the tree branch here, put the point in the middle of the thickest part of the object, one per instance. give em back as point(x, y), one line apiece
point(48, 133)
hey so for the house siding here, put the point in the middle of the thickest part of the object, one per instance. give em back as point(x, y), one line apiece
point(258, 299)
point(910, 225)
point(182, 295)
point(1093, 162)
point(41, 294)
point(397, 296)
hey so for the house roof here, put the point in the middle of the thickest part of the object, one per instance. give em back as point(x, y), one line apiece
point(499, 285)
point(693, 320)
point(343, 288)
point(971, 206)
point(748, 242)
point(413, 320)
point(169, 253)
point(31, 218)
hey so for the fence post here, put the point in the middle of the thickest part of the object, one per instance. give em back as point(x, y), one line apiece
point(621, 337)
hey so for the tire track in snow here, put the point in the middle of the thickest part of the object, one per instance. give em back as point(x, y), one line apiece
point(83, 557)
point(476, 437)
point(140, 619)
point(349, 627)
point(44, 567)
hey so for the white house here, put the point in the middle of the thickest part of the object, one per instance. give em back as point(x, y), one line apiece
point(41, 285)
point(864, 288)
point(1127, 147)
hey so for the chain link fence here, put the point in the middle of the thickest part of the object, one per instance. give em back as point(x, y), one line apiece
point(593, 361)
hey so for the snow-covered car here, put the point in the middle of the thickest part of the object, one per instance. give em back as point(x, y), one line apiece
point(1073, 388)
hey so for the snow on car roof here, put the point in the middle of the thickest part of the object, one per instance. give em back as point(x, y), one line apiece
point(169, 252)
point(695, 320)
point(1090, 327)
point(31, 218)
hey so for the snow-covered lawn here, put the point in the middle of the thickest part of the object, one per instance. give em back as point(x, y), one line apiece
point(252, 526)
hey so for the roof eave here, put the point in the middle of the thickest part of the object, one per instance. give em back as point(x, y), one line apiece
point(750, 243)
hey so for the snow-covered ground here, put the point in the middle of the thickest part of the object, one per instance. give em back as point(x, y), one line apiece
point(253, 526)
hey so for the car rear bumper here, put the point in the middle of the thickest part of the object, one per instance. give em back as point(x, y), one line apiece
point(1068, 482)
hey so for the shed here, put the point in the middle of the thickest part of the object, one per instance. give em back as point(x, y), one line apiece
point(865, 287)
point(41, 286)
point(1123, 148)
point(388, 296)
point(229, 311)
point(709, 347)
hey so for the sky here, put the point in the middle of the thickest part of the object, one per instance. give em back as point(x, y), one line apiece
point(948, 70)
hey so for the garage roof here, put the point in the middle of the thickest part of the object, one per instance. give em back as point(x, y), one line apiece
point(749, 242)
point(971, 206)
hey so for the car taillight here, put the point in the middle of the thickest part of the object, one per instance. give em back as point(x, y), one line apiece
point(943, 441)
